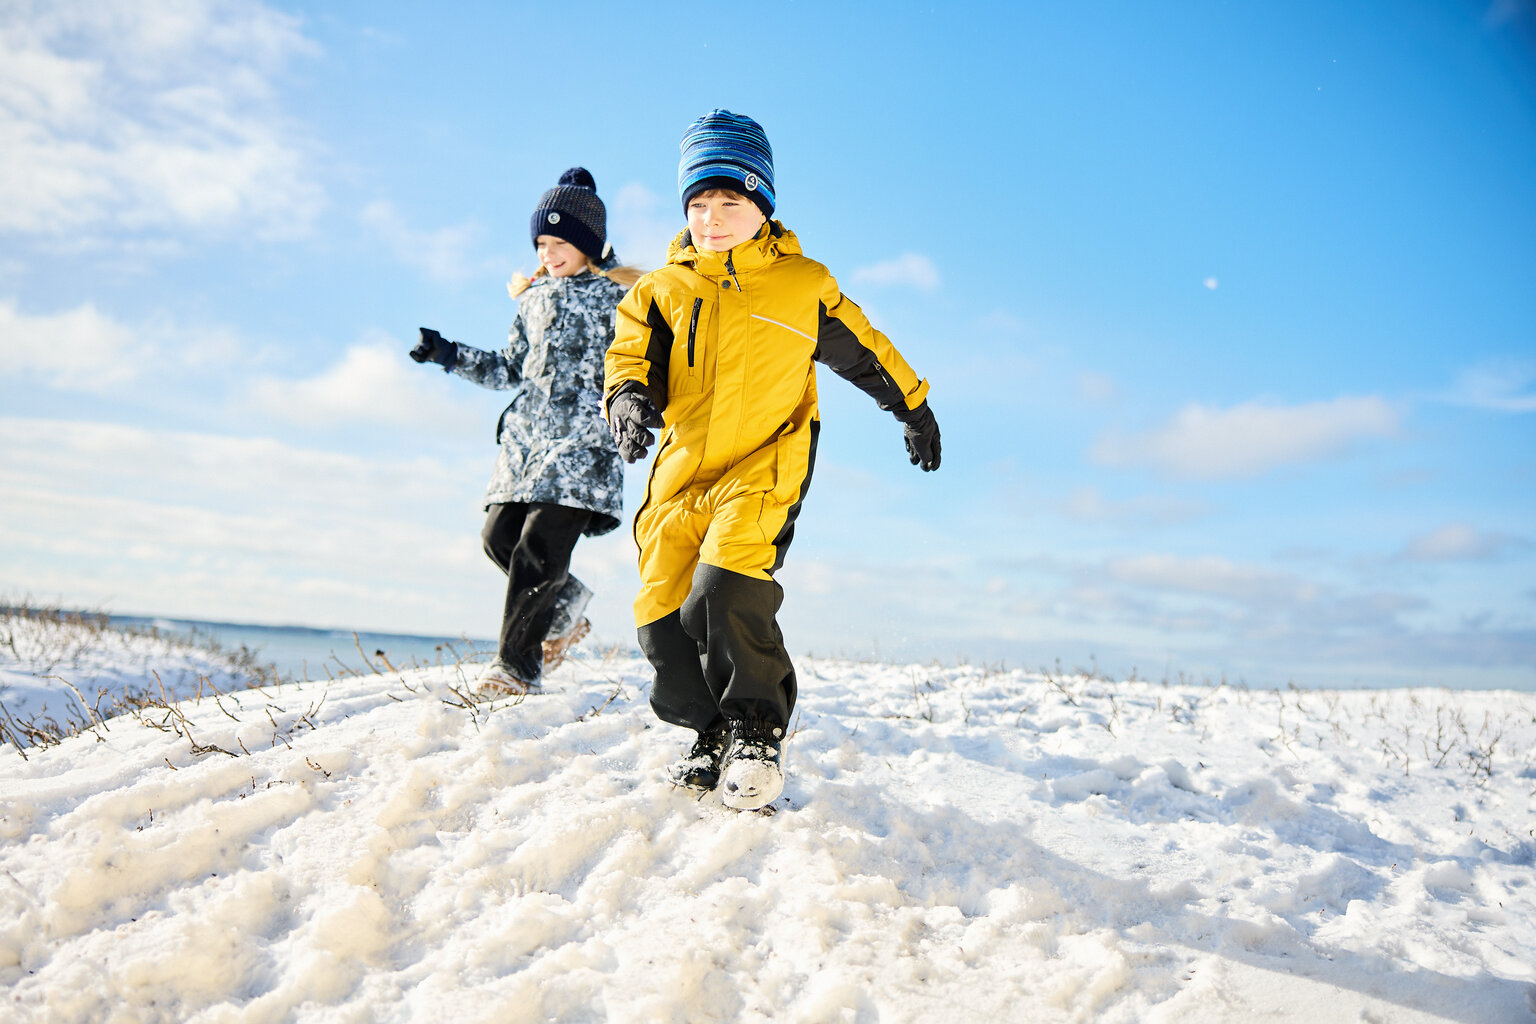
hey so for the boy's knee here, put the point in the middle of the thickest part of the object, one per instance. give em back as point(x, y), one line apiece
point(693, 616)
point(666, 644)
point(718, 592)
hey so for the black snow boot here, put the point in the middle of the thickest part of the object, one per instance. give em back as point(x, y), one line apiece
point(751, 775)
point(700, 769)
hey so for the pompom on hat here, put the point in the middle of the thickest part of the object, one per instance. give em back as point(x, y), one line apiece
point(572, 212)
point(730, 151)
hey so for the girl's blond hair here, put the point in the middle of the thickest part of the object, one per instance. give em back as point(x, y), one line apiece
point(624, 275)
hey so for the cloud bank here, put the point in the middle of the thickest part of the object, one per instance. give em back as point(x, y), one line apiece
point(1249, 439)
point(123, 118)
point(1460, 542)
point(908, 270)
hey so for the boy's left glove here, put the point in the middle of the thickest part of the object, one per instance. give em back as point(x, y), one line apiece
point(921, 432)
point(629, 414)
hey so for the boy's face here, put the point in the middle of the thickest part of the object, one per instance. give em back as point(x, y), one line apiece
point(559, 257)
point(720, 220)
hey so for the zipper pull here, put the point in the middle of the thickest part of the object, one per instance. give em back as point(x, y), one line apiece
point(730, 268)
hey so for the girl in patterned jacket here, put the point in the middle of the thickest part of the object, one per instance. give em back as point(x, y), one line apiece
point(558, 475)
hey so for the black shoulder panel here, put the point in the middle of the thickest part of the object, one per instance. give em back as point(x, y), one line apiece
point(658, 354)
point(839, 348)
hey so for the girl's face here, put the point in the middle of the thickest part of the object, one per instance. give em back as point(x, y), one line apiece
point(721, 220)
point(559, 257)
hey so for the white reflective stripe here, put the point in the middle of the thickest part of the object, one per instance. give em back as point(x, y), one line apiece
point(775, 323)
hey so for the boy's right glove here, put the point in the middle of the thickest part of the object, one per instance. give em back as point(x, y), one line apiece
point(629, 414)
point(434, 348)
point(921, 432)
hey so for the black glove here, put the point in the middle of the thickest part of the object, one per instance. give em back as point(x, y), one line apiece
point(629, 414)
point(434, 348)
point(921, 432)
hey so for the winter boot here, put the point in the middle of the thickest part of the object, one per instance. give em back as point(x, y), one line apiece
point(751, 775)
point(499, 680)
point(556, 646)
point(700, 769)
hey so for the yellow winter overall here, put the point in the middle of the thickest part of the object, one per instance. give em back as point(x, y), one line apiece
point(725, 344)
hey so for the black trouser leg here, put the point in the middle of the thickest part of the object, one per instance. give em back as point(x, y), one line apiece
point(680, 696)
point(533, 544)
point(744, 664)
point(503, 526)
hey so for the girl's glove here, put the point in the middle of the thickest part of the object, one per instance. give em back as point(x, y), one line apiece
point(434, 348)
point(921, 432)
point(629, 414)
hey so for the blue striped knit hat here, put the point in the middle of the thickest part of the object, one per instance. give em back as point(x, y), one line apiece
point(572, 212)
point(726, 150)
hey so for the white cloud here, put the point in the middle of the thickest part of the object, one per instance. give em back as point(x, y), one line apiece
point(1088, 504)
point(251, 528)
point(374, 382)
point(85, 350)
point(444, 253)
point(1211, 576)
point(119, 117)
point(1501, 386)
point(1251, 438)
point(1459, 542)
point(78, 350)
point(296, 561)
point(1211, 283)
point(89, 460)
point(640, 226)
point(908, 269)
point(258, 530)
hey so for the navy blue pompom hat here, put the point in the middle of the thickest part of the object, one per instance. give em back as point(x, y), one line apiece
point(730, 151)
point(571, 211)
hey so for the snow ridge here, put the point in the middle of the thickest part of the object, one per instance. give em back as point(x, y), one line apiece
point(951, 844)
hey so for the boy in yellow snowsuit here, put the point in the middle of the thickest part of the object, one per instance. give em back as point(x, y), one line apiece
point(717, 348)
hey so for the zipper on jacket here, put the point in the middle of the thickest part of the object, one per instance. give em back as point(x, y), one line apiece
point(693, 329)
point(730, 268)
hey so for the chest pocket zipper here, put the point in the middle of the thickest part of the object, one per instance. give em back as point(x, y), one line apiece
point(693, 329)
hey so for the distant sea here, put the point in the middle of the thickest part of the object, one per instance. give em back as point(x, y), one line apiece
point(299, 652)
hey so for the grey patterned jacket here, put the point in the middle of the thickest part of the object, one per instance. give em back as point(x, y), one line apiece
point(555, 445)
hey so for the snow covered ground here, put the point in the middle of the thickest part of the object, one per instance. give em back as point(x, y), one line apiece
point(63, 669)
point(954, 844)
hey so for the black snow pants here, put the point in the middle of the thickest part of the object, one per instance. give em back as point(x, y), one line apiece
point(532, 544)
point(721, 655)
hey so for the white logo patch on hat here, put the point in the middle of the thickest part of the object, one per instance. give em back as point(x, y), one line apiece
point(751, 183)
point(554, 217)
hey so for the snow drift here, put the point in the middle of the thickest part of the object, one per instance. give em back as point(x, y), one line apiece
point(952, 844)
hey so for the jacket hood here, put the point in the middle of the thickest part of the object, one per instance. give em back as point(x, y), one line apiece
point(772, 240)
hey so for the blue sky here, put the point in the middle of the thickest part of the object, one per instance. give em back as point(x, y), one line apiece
point(1229, 312)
